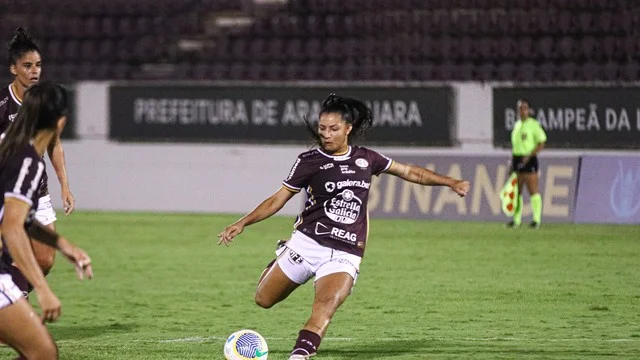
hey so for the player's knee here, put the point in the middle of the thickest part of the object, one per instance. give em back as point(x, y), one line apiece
point(46, 350)
point(330, 301)
point(263, 301)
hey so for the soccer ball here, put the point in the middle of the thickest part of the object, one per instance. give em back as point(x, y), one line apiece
point(245, 345)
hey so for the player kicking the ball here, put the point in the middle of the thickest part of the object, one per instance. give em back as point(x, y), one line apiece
point(330, 234)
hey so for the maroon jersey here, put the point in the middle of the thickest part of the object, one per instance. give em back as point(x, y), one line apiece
point(337, 187)
point(19, 178)
point(9, 106)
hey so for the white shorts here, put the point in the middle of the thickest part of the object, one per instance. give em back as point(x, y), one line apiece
point(45, 213)
point(302, 257)
point(9, 292)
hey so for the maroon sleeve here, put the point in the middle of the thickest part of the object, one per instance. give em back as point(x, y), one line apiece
point(300, 174)
point(379, 162)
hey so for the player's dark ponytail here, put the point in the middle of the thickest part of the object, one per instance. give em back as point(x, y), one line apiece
point(20, 44)
point(43, 105)
point(354, 112)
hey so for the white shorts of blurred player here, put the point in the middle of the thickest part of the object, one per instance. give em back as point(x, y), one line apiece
point(9, 292)
point(302, 257)
point(45, 213)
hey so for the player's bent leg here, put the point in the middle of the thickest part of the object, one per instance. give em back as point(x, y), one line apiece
point(331, 292)
point(289, 271)
point(46, 215)
point(22, 329)
point(279, 245)
point(274, 287)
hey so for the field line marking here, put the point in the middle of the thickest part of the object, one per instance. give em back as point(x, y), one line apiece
point(202, 339)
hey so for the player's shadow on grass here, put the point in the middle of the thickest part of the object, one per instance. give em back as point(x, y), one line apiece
point(376, 350)
point(81, 331)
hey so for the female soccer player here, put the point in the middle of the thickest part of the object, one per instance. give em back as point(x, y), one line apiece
point(330, 234)
point(25, 65)
point(527, 140)
point(37, 126)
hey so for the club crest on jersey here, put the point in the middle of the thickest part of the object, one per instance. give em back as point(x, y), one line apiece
point(330, 186)
point(362, 163)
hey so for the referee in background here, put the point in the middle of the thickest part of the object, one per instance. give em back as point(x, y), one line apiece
point(527, 140)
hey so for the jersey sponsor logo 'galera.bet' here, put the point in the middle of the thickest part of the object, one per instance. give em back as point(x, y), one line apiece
point(330, 186)
point(344, 208)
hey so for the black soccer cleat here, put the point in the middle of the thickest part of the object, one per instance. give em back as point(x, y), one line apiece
point(534, 225)
point(511, 225)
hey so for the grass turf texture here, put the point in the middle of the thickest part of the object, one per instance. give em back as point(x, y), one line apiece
point(427, 290)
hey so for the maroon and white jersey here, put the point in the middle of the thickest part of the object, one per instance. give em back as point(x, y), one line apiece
point(19, 178)
point(337, 189)
point(9, 106)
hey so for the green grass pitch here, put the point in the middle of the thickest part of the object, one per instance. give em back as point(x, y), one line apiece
point(427, 290)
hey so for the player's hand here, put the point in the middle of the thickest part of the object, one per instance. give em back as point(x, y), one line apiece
point(233, 230)
point(68, 201)
point(77, 257)
point(461, 187)
point(49, 304)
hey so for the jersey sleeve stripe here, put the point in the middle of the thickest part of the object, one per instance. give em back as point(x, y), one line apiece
point(19, 197)
point(388, 166)
point(291, 188)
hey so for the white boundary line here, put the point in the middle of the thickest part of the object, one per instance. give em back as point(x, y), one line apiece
point(202, 339)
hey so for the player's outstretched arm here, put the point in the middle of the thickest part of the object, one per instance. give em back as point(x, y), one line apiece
point(267, 208)
point(420, 175)
point(56, 154)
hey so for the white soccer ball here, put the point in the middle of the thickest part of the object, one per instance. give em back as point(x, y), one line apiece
point(245, 345)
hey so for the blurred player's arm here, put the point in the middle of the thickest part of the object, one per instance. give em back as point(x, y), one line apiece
point(267, 208)
point(56, 154)
point(423, 176)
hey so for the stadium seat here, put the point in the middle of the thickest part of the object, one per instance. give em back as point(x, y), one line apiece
point(630, 71)
point(506, 71)
point(360, 39)
point(590, 70)
point(546, 72)
point(567, 71)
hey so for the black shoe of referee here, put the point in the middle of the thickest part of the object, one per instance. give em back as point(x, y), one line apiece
point(512, 225)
